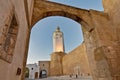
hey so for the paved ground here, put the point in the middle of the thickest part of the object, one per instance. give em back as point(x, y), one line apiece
point(64, 78)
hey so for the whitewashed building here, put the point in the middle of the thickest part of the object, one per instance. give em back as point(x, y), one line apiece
point(33, 71)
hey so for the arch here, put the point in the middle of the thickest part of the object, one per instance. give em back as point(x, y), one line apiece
point(87, 19)
point(42, 9)
point(47, 9)
point(43, 73)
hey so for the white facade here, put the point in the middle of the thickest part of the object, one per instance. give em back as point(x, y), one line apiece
point(58, 41)
point(33, 69)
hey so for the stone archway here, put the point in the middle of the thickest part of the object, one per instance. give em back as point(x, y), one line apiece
point(97, 34)
point(100, 29)
point(91, 22)
point(90, 29)
point(53, 9)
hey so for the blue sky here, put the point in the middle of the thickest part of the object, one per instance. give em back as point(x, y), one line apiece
point(85, 4)
point(41, 46)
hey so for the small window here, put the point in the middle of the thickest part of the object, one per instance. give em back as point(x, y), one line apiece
point(43, 65)
point(31, 68)
point(57, 34)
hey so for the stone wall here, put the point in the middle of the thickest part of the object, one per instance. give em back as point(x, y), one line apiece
point(76, 62)
point(56, 68)
point(112, 8)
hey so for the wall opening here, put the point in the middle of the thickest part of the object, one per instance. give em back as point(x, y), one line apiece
point(41, 42)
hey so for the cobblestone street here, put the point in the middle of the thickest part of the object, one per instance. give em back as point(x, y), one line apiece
point(64, 78)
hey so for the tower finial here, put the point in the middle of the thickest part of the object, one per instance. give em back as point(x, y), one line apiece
point(58, 28)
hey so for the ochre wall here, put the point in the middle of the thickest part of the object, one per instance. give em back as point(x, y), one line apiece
point(56, 68)
point(112, 8)
point(76, 62)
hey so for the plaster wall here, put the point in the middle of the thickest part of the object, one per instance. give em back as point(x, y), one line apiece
point(8, 70)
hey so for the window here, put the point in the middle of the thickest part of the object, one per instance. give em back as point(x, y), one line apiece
point(11, 37)
point(8, 38)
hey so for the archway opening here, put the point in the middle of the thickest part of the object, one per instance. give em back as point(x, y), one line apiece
point(41, 40)
point(73, 40)
point(87, 29)
point(43, 74)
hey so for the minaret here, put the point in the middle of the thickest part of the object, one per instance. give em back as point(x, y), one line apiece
point(58, 41)
point(56, 67)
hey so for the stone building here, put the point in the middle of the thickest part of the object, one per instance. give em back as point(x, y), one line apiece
point(33, 71)
point(44, 68)
point(101, 31)
point(72, 63)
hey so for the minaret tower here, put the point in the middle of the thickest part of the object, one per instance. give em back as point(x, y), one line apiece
point(56, 67)
point(58, 41)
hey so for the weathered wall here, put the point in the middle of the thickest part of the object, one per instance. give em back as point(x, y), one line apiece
point(96, 39)
point(8, 70)
point(56, 68)
point(76, 62)
point(108, 32)
point(112, 8)
point(4, 65)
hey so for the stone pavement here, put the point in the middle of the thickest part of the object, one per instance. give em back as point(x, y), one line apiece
point(64, 78)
